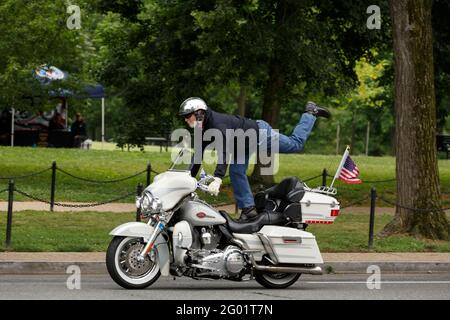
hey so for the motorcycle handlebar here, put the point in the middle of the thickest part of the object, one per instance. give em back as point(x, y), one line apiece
point(202, 183)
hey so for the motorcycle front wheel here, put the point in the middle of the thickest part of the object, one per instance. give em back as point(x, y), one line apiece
point(277, 280)
point(125, 268)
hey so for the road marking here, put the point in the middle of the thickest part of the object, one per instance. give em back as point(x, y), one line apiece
point(381, 282)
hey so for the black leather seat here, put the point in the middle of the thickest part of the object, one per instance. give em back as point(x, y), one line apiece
point(281, 190)
point(254, 225)
point(289, 190)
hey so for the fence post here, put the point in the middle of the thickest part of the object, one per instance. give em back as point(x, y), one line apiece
point(10, 212)
point(53, 186)
point(373, 199)
point(139, 190)
point(324, 177)
point(149, 170)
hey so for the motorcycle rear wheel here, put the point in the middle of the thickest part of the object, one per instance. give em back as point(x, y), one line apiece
point(277, 280)
point(125, 269)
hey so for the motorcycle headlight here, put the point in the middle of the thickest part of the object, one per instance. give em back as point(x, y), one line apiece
point(149, 204)
point(156, 205)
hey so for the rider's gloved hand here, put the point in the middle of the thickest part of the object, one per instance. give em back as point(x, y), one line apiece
point(214, 186)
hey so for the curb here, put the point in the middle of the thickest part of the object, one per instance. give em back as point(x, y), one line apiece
point(51, 267)
point(387, 267)
point(34, 267)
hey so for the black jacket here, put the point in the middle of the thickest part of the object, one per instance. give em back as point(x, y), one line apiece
point(222, 122)
point(78, 128)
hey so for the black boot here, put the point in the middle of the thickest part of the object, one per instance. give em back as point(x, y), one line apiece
point(248, 214)
point(317, 111)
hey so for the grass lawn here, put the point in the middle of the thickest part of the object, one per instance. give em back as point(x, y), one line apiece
point(111, 163)
point(89, 231)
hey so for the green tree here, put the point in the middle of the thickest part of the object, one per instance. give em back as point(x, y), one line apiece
point(36, 33)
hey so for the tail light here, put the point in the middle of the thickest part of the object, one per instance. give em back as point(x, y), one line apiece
point(335, 213)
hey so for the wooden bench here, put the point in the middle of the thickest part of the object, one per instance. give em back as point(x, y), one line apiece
point(159, 140)
point(443, 143)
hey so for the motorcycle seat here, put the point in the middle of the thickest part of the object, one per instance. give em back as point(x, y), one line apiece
point(289, 190)
point(254, 225)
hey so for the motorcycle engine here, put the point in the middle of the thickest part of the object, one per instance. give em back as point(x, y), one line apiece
point(196, 250)
point(209, 237)
point(227, 263)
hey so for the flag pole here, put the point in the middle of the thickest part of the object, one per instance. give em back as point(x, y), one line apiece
point(341, 165)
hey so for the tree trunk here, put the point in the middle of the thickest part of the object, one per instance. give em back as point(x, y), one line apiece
point(270, 113)
point(415, 104)
point(271, 102)
point(242, 101)
point(275, 88)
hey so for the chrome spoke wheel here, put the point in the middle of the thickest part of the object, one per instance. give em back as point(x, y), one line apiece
point(125, 267)
point(129, 260)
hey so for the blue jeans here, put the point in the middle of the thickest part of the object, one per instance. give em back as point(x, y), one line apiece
point(292, 144)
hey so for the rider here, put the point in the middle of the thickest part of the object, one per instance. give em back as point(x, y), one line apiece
point(197, 114)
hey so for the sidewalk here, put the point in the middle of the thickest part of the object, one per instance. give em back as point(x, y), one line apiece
point(130, 207)
point(94, 262)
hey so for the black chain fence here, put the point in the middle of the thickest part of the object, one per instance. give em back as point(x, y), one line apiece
point(351, 204)
point(12, 189)
point(26, 175)
point(371, 182)
point(324, 175)
point(54, 168)
point(101, 181)
point(66, 205)
point(153, 171)
point(395, 204)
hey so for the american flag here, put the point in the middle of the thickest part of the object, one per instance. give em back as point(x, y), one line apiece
point(349, 172)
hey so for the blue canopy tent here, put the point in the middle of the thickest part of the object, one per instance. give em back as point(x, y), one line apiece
point(92, 92)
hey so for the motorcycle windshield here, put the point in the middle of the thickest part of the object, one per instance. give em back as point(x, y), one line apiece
point(182, 161)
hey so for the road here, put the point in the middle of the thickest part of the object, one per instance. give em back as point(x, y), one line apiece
point(343, 286)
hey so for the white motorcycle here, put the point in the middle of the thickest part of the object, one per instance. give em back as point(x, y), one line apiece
point(185, 236)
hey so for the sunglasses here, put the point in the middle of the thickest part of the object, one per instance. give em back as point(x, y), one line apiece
point(188, 115)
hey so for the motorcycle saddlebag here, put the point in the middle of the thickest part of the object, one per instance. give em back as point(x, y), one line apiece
point(290, 246)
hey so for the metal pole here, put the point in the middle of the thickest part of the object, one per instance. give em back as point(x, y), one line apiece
point(103, 121)
point(341, 165)
point(53, 186)
point(139, 190)
point(10, 212)
point(12, 126)
point(338, 133)
point(149, 171)
point(66, 107)
point(324, 177)
point(367, 138)
point(373, 199)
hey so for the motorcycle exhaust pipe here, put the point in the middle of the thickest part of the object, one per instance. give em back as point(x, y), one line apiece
point(317, 271)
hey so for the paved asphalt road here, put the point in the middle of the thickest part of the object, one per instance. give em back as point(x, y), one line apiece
point(344, 286)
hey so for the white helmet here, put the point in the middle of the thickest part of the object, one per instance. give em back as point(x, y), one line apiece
point(192, 105)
